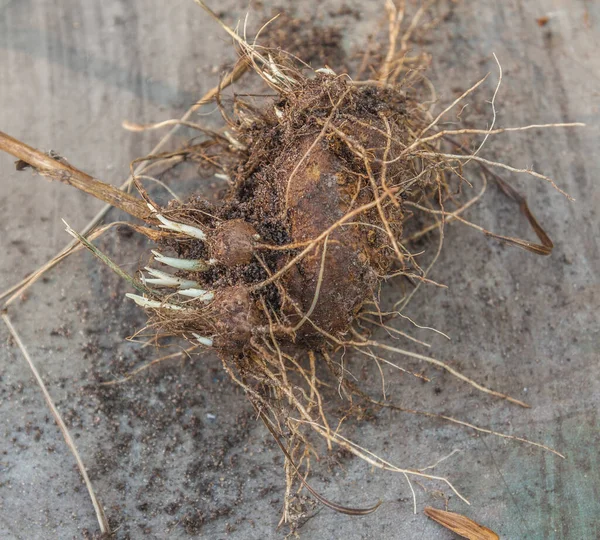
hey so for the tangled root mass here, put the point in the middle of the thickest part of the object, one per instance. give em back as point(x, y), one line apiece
point(316, 170)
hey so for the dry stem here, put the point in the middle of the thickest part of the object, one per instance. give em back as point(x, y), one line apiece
point(239, 70)
point(67, 174)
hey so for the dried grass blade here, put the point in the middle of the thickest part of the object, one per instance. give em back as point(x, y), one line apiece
point(110, 263)
point(102, 520)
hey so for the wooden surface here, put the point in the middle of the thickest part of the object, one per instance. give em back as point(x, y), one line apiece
point(71, 71)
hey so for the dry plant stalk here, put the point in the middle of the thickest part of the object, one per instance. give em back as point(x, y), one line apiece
point(282, 275)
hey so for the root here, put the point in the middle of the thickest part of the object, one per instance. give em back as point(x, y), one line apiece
point(376, 461)
point(474, 427)
point(137, 371)
point(445, 367)
point(390, 330)
point(395, 366)
point(460, 158)
point(334, 506)
point(317, 290)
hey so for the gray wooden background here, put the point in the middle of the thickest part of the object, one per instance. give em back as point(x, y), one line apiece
point(176, 452)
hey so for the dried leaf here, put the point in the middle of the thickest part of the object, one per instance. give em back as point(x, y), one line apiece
point(461, 525)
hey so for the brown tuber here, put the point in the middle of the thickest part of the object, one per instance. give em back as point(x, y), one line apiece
point(312, 159)
point(233, 243)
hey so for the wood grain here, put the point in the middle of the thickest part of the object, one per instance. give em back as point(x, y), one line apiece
point(71, 71)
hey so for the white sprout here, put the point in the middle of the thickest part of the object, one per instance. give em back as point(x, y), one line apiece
point(278, 73)
point(145, 303)
point(193, 265)
point(234, 142)
point(194, 232)
point(326, 71)
point(272, 80)
point(205, 296)
point(203, 340)
point(165, 279)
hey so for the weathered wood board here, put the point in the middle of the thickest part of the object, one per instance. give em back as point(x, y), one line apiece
point(177, 452)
